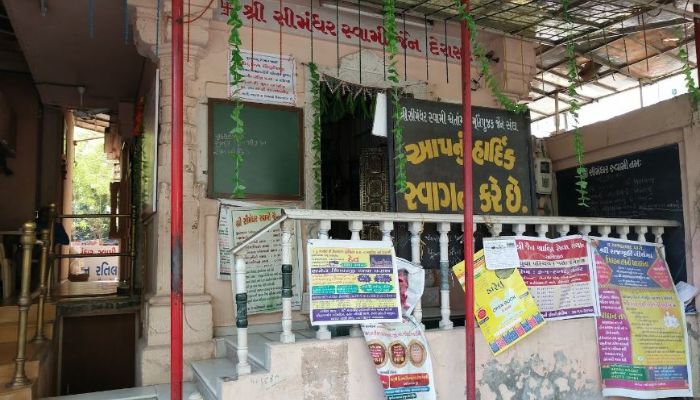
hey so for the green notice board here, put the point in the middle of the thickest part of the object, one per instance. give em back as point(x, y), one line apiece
point(272, 151)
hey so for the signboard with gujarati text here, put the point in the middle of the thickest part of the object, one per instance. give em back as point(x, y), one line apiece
point(432, 141)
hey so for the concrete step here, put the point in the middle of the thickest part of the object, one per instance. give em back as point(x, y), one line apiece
point(10, 313)
point(8, 331)
point(24, 393)
point(157, 392)
point(258, 352)
point(209, 374)
point(8, 352)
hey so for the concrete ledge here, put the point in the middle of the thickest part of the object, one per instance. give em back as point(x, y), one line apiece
point(153, 362)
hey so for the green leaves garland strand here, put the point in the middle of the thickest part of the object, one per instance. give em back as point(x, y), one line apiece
point(688, 77)
point(574, 107)
point(389, 14)
point(316, 142)
point(235, 69)
point(479, 53)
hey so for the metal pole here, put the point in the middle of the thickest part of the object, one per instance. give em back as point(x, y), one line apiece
point(468, 208)
point(43, 263)
point(176, 148)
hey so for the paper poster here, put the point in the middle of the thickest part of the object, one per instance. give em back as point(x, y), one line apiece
point(267, 78)
point(352, 281)
point(560, 275)
point(263, 257)
point(504, 309)
point(411, 284)
point(500, 253)
point(642, 337)
point(402, 358)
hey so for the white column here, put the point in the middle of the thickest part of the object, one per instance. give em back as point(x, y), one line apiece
point(541, 230)
point(584, 230)
point(287, 336)
point(605, 230)
point(624, 231)
point(562, 230)
point(416, 228)
point(642, 230)
point(323, 227)
point(386, 227)
point(658, 231)
point(519, 229)
point(445, 322)
point(355, 228)
point(243, 367)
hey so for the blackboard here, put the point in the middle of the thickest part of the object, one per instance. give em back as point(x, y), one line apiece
point(272, 151)
point(432, 140)
point(638, 185)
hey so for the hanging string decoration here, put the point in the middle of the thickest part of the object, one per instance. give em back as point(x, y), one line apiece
point(316, 141)
point(235, 68)
point(479, 54)
point(574, 107)
point(389, 14)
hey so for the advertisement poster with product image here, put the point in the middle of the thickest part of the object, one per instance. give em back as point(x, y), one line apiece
point(402, 358)
point(642, 337)
point(263, 257)
point(352, 281)
point(559, 274)
point(503, 306)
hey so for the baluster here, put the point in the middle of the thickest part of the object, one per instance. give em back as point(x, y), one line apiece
point(541, 230)
point(658, 231)
point(624, 230)
point(323, 227)
point(52, 252)
point(445, 322)
point(584, 230)
point(27, 240)
point(605, 230)
point(416, 228)
point(495, 229)
point(562, 230)
point(386, 227)
point(642, 237)
point(355, 228)
point(519, 229)
point(243, 367)
point(39, 335)
point(287, 336)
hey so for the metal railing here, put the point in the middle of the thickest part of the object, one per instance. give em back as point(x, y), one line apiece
point(321, 220)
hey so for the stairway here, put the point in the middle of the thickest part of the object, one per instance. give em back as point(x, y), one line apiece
point(38, 358)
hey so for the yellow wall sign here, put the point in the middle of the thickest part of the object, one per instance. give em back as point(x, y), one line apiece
point(503, 306)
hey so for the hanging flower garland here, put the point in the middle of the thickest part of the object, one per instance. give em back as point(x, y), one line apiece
point(235, 69)
point(479, 54)
point(574, 107)
point(389, 14)
point(316, 141)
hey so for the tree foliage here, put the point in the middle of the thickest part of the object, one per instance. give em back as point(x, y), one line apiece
point(92, 174)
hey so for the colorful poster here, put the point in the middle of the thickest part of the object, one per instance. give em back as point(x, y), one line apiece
point(353, 281)
point(642, 337)
point(402, 358)
point(503, 307)
point(263, 256)
point(560, 276)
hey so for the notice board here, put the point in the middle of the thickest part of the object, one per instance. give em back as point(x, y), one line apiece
point(638, 185)
point(272, 151)
point(432, 140)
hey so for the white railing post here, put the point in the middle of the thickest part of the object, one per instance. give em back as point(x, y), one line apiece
point(584, 230)
point(495, 229)
point(243, 367)
point(519, 229)
point(287, 336)
point(323, 227)
point(658, 231)
point(641, 236)
point(355, 228)
point(605, 230)
point(445, 322)
point(562, 230)
point(624, 231)
point(541, 230)
point(416, 228)
point(386, 227)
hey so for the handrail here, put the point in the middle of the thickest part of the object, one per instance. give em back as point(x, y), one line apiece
point(315, 215)
point(257, 234)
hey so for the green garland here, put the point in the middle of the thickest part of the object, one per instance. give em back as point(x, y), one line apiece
point(389, 14)
point(574, 107)
point(479, 53)
point(316, 142)
point(235, 69)
point(689, 82)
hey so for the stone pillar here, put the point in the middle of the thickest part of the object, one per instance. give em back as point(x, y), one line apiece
point(153, 354)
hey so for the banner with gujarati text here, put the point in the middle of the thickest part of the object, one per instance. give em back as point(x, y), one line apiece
point(402, 358)
point(352, 281)
point(503, 307)
point(642, 336)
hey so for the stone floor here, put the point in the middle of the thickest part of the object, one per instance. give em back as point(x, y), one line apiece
point(157, 392)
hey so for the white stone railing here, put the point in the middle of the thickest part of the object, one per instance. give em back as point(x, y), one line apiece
point(321, 220)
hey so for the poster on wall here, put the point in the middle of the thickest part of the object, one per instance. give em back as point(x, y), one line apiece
point(504, 309)
point(267, 79)
point(263, 257)
point(432, 141)
point(402, 358)
point(642, 337)
point(96, 268)
point(352, 281)
point(559, 274)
